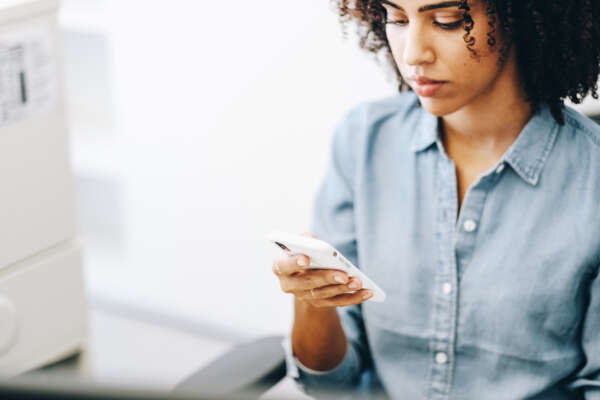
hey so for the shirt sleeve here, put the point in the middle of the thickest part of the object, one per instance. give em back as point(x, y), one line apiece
point(334, 222)
point(587, 381)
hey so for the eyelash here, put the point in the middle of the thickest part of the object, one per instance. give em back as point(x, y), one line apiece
point(448, 27)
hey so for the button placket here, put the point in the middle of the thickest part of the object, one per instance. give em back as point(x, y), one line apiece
point(470, 224)
point(444, 316)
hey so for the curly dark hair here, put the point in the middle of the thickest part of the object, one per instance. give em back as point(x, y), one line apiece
point(557, 43)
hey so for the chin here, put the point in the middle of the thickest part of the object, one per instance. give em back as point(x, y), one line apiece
point(438, 107)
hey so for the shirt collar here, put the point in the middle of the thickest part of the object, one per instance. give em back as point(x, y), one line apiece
point(528, 153)
point(427, 132)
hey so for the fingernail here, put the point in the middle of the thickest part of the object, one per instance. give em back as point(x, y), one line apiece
point(354, 285)
point(339, 278)
point(301, 261)
point(367, 295)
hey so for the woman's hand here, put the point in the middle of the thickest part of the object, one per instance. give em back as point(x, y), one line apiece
point(318, 287)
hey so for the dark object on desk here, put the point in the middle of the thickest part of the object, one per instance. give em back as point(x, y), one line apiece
point(249, 370)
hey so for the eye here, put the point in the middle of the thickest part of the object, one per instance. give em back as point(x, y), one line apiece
point(401, 22)
point(449, 26)
point(446, 26)
point(447, 20)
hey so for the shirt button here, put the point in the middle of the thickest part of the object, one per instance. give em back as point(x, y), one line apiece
point(500, 168)
point(447, 288)
point(441, 358)
point(470, 225)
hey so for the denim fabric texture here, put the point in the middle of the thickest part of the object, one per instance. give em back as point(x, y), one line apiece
point(497, 300)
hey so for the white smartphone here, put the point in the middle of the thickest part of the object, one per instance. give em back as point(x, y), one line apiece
point(322, 256)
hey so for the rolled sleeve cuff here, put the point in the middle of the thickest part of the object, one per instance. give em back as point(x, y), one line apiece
point(589, 388)
point(345, 372)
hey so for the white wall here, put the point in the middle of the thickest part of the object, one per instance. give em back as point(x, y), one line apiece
point(222, 119)
point(198, 127)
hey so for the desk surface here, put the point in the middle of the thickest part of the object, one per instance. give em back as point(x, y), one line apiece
point(128, 352)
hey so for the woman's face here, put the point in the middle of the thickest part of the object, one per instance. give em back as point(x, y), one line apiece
point(426, 38)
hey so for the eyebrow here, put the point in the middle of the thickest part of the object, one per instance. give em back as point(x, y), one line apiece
point(428, 7)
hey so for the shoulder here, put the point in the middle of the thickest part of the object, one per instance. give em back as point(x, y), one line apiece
point(578, 143)
point(583, 135)
point(365, 119)
point(586, 129)
point(370, 113)
point(575, 166)
point(354, 133)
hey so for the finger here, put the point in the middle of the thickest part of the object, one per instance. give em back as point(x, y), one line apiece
point(343, 300)
point(290, 265)
point(314, 278)
point(326, 292)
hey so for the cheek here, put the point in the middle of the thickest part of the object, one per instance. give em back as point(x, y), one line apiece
point(453, 60)
point(482, 32)
point(448, 49)
point(472, 70)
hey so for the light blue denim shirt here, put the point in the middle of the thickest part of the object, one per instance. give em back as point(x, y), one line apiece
point(498, 301)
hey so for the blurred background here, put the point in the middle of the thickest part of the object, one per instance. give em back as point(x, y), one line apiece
point(196, 128)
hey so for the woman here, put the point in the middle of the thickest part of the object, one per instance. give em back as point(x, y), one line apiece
point(473, 200)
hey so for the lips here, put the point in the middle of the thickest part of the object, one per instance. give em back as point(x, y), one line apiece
point(422, 80)
point(426, 87)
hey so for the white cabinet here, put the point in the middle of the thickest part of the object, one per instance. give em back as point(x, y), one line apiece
point(41, 287)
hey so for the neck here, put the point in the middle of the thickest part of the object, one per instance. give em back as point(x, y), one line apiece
point(493, 122)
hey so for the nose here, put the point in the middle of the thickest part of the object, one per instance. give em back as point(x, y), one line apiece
point(417, 46)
